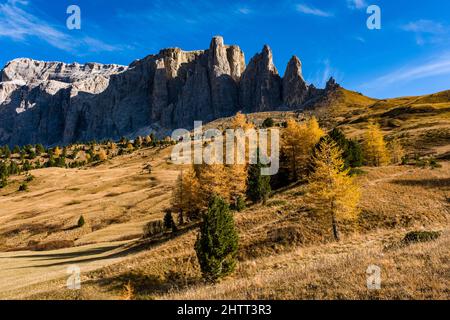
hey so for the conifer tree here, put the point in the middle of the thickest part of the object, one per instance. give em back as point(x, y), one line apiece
point(258, 185)
point(4, 173)
point(40, 149)
point(375, 150)
point(81, 222)
point(268, 123)
point(240, 121)
point(217, 242)
point(7, 152)
point(237, 184)
point(351, 150)
point(169, 224)
point(396, 150)
point(57, 152)
point(148, 141)
point(101, 155)
point(299, 141)
point(331, 191)
point(186, 195)
point(26, 166)
point(137, 143)
point(213, 181)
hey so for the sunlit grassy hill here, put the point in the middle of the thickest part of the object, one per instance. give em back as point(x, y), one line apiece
point(285, 251)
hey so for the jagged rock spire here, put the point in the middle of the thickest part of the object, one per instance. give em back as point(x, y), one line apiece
point(295, 89)
point(260, 86)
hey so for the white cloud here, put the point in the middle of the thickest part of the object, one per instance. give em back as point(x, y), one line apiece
point(357, 4)
point(312, 11)
point(18, 24)
point(434, 66)
point(424, 26)
point(324, 72)
point(428, 31)
point(244, 10)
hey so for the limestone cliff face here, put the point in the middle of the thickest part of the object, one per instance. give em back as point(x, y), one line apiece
point(56, 103)
point(260, 86)
point(295, 89)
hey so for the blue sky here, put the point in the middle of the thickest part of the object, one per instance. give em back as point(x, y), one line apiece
point(410, 55)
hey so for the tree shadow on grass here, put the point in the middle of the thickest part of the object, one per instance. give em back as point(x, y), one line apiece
point(109, 252)
point(145, 286)
point(426, 183)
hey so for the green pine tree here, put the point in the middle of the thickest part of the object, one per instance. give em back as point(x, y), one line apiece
point(169, 224)
point(81, 222)
point(258, 189)
point(217, 242)
point(6, 152)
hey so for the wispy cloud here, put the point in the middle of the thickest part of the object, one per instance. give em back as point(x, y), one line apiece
point(324, 72)
point(428, 31)
point(303, 8)
point(244, 10)
point(424, 26)
point(434, 66)
point(19, 24)
point(356, 4)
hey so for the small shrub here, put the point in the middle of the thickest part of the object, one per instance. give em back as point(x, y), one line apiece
point(81, 222)
point(3, 182)
point(268, 123)
point(434, 164)
point(29, 178)
point(421, 236)
point(23, 187)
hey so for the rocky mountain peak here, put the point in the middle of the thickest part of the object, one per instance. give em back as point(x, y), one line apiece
point(58, 103)
point(331, 84)
point(295, 89)
point(29, 70)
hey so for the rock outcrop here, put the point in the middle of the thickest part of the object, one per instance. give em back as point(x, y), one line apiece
point(57, 103)
point(260, 86)
point(295, 89)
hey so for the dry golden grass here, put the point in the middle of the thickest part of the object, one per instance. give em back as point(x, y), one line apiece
point(116, 199)
point(287, 254)
point(337, 271)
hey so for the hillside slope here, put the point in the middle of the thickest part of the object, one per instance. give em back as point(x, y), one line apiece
point(285, 252)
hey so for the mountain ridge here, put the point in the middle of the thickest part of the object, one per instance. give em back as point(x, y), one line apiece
point(57, 103)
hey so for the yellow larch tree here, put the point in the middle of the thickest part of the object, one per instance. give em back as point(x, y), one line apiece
point(148, 140)
point(102, 156)
point(396, 150)
point(237, 182)
point(57, 152)
point(331, 192)
point(375, 150)
point(213, 180)
point(299, 141)
point(240, 121)
point(186, 195)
